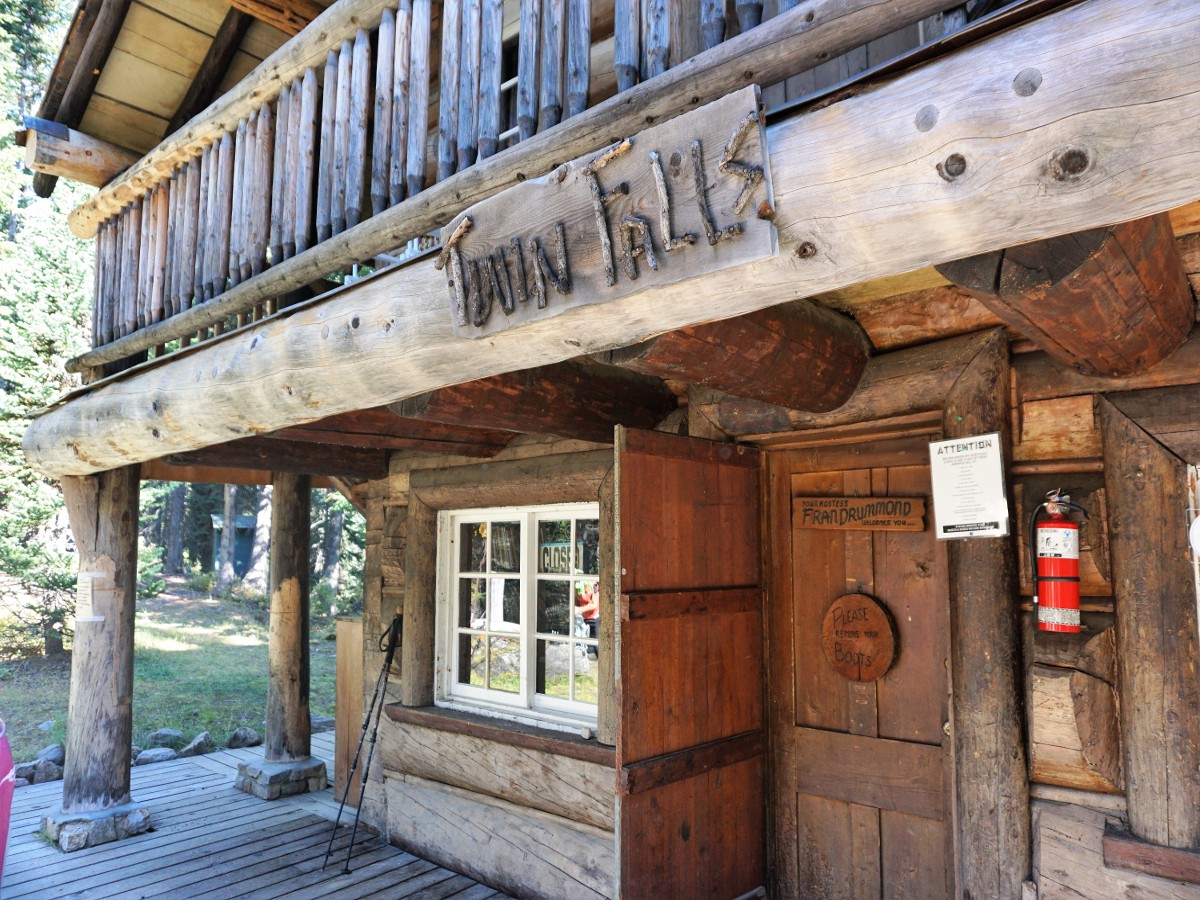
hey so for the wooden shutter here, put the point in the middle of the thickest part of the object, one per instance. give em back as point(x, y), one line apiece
point(690, 736)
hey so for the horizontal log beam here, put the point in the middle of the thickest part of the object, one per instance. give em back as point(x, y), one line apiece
point(384, 430)
point(54, 149)
point(803, 356)
point(1170, 415)
point(569, 400)
point(1109, 301)
point(296, 457)
point(158, 470)
point(1103, 88)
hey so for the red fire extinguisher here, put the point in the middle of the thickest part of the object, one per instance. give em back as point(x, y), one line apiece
point(1054, 546)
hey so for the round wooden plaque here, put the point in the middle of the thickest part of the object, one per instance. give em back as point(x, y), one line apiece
point(859, 637)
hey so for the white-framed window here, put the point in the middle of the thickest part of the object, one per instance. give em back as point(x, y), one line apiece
point(519, 612)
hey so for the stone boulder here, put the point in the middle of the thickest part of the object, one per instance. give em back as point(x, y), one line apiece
point(167, 737)
point(201, 744)
point(54, 753)
point(44, 771)
point(155, 755)
point(25, 770)
point(243, 737)
point(317, 724)
point(21, 782)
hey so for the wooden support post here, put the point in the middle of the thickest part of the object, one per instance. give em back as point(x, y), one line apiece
point(288, 738)
point(420, 586)
point(1079, 295)
point(103, 510)
point(1147, 493)
point(985, 662)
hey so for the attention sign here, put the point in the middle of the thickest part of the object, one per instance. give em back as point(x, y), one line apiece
point(859, 513)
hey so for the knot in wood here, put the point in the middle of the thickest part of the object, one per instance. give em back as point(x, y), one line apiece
point(952, 167)
point(1069, 164)
point(806, 250)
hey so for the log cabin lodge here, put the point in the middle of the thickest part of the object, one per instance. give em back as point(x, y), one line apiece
point(592, 308)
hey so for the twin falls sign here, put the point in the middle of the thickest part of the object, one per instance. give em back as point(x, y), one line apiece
point(685, 198)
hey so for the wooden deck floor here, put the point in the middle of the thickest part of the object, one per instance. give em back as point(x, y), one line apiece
point(215, 842)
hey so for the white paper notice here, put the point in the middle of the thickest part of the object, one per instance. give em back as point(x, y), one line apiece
point(84, 589)
point(969, 499)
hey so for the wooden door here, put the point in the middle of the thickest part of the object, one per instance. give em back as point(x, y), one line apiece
point(861, 771)
point(690, 685)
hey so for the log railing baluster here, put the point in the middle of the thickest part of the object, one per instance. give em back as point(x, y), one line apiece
point(287, 225)
point(306, 157)
point(325, 156)
point(385, 82)
point(341, 140)
point(452, 11)
point(401, 59)
point(418, 92)
point(550, 99)
point(579, 53)
point(360, 110)
point(528, 54)
point(468, 83)
point(490, 37)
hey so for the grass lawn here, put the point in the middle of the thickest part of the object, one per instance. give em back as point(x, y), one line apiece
point(200, 664)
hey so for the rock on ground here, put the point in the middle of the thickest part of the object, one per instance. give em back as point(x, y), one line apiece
point(167, 737)
point(44, 771)
point(54, 753)
point(154, 755)
point(243, 737)
point(201, 744)
point(317, 724)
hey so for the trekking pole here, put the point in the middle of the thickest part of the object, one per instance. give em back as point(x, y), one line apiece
point(375, 708)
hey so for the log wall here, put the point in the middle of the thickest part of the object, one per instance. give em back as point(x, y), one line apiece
point(530, 815)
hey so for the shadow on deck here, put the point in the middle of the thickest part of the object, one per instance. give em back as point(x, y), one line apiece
point(213, 841)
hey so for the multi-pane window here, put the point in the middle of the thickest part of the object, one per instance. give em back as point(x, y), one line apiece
point(520, 612)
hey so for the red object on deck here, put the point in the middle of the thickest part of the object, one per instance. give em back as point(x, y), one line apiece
point(7, 783)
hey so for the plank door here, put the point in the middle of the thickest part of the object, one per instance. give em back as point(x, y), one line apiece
point(690, 743)
point(861, 772)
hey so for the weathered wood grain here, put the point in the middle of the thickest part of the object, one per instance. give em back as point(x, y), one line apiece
point(329, 93)
point(468, 51)
point(1056, 747)
point(1073, 295)
point(985, 657)
point(571, 788)
point(382, 118)
point(104, 519)
point(397, 163)
point(357, 183)
point(802, 356)
point(515, 849)
point(73, 155)
point(489, 77)
point(448, 86)
point(287, 736)
point(420, 74)
point(1068, 860)
point(1136, 108)
point(306, 152)
point(1147, 493)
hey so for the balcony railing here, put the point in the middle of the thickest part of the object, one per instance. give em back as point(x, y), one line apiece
point(305, 149)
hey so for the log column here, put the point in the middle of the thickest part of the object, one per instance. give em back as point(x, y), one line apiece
point(96, 805)
point(985, 653)
point(1157, 652)
point(288, 766)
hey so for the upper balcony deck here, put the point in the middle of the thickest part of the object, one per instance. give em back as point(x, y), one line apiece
point(338, 151)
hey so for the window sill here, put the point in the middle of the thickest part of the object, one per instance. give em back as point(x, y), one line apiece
point(512, 733)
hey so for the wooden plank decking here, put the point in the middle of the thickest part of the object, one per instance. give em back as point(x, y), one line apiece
point(213, 841)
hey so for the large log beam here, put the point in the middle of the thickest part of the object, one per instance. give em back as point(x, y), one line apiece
point(1170, 415)
point(1154, 583)
point(985, 662)
point(894, 385)
point(802, 356)
point(1102, 90)
point(1109, 301)
point(296, 457)
point(85, 75)
point(382, 429)
point(566, 399)
point(54, 149)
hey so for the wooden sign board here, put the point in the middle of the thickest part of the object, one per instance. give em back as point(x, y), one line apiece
point(682, 199)
point(858, 637)
point(859, 513)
